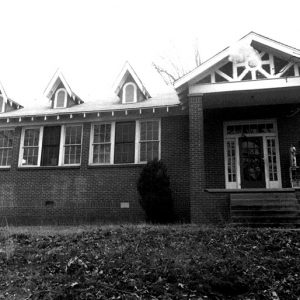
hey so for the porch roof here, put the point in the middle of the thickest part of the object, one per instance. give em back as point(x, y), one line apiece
point(288, 95)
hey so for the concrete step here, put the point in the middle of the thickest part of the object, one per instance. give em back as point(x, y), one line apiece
point(265, 219)
point(261, 209)
point(275, 206)
point(257, 202)
point(271, 196)
point(264, 212)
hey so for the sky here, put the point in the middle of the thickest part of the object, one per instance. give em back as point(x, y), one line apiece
point(90, 40)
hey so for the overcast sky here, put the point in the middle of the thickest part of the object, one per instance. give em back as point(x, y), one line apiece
point(90, 40)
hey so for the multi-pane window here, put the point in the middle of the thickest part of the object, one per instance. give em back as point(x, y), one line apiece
point(124, 142)
point(31, 147)
point(43, 146)
point(6, 140)
point(101, 143)
point(50, 149)
point(231, 166)
point(272, 159)
point(149, 140)
point(72, 151)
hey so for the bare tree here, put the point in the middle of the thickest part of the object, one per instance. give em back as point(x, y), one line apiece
point(172, 66)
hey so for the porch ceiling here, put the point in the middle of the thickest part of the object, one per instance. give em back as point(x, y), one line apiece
point(252, 98)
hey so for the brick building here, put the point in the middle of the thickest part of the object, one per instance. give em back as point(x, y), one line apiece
point(224, 133)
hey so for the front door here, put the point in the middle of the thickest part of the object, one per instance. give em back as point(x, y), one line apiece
point(252, 165)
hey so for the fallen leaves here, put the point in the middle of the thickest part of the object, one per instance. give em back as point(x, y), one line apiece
point(153, 262)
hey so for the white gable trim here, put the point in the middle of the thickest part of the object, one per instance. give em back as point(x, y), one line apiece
point(5, 98)
point(121, 79)
point(249, 38)
point(49, 89)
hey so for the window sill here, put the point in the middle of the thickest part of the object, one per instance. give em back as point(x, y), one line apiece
point(48, 168)
point(130, 165)
point(3, 168)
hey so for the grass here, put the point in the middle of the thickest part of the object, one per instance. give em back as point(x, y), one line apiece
point(149, 262)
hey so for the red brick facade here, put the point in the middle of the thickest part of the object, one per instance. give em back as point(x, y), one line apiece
point(65, 195)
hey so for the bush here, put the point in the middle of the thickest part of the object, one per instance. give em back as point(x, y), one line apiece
point(155, 194)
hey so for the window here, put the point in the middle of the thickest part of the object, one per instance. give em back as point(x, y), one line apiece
point(149, 140)
point(31, 146)
point(60, 100)
point(129, 93)
point(6, 140)
point(101, 143)
point(72, 151)
point(51, 146)
point(125, 142)
point(50, 150)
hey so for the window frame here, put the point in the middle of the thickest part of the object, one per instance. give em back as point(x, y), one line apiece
point(112, 142)
point(124, 92)
point(13, 133)
point(61, 154)
point(65, 100)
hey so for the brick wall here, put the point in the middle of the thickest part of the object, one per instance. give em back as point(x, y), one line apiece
point(91, 194)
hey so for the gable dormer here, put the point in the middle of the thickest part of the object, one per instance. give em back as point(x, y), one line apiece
point(7, 104)
point(59, 92)
point(129, 87)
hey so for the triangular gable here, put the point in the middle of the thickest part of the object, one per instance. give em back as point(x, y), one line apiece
point(126, 72)
point(57, 81)
point(270, 59)
point(10, 104)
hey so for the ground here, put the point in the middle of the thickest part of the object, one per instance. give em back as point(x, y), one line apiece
point(149, 262)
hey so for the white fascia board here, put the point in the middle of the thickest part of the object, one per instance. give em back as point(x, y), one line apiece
point(58, 75)
point(273, 44)
point(244, 85)
point(120, 79)
point(3, 93)
point(202, 68)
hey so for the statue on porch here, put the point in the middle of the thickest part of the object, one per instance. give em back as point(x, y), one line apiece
point(293, 161)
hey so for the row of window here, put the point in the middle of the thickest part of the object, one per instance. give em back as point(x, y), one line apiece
point(110, 143)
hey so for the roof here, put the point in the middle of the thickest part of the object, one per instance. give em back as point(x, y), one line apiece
point(41, 108)
point(253, 39)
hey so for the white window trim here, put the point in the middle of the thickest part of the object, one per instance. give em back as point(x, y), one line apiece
point(4, 129)
point(55, 98)
point(134, 93)
point(265, 136)
point(61, 147)
point(139, 141)
point(112, 142)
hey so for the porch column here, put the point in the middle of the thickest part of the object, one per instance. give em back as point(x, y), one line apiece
point(197, 168)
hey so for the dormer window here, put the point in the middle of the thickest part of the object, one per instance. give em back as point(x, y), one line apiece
point(129, 93)
point(60, 99)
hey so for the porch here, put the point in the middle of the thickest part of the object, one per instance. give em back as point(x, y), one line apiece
point(245, 172)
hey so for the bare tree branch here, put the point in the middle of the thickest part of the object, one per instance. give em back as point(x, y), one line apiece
point(164, 73)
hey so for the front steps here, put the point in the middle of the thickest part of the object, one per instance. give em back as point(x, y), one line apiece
point(265, 209)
